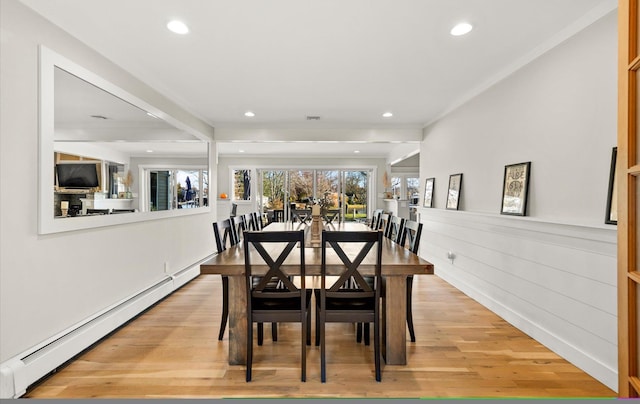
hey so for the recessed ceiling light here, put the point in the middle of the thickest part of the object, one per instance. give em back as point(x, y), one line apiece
point(249, 114)
point(461, 29)
point(149, 151)
point(240, 151)
point(178, 27)
point(356, 151)
point(387, 115)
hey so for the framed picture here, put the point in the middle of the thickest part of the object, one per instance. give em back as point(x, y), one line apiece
point(612, 194)
point(453, 195)
point(428, 192)
point(515, 189)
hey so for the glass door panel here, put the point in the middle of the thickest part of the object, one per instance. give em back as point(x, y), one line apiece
point(301, 190)
point(356, 195)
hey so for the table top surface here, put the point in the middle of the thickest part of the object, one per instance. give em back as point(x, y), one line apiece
point(396, 260)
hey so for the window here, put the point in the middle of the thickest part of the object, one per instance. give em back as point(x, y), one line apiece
point(175, 188)
point(242, 185)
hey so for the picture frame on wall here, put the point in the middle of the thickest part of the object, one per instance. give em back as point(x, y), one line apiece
point(453, 193)
point(612, 194)
point(428, 192)
point(515, 189)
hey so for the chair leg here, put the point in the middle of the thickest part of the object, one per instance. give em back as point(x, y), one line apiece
point(409, 308)
point(358, 332)
point(323, 361)
point(309, 326)
point(367, 334)
point(249, 346)
point(274, 331)
point(376, 348)
point(317, 327)
point(260, 333)
point(225, 306)
point(303, 343)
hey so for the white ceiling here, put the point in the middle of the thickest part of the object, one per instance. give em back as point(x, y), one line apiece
point(346, 61)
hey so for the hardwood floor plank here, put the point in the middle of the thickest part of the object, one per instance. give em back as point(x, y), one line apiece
point(462, 350)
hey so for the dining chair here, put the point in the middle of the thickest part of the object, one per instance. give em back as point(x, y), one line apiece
point(383, 222)
point(410, 238)
point(257, 219)
point(238, 225)
point(375, 217)
point(357, 303)
point(265, 303)
point(301, 215)
point(224, 233)
point(240, 228)
point(395, 228)
point(249, 222)
point(330, 215)
point(392, 230)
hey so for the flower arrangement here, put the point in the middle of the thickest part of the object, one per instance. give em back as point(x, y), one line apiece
point(127, 180)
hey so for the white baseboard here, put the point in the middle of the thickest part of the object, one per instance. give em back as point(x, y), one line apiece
point(19, 372)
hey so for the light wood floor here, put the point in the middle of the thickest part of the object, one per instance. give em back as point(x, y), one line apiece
point(462, 350)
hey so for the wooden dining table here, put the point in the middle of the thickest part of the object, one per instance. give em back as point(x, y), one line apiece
point(397, 263)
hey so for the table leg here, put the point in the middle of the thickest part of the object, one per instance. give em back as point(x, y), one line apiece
point(394, 331)
point(237, 321)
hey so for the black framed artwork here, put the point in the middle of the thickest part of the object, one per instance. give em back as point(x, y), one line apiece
point(515, 189)
point(428, 192)
point(612, 194)
point(453, 194)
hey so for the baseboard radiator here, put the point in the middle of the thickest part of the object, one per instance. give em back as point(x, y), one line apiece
point(18, 373)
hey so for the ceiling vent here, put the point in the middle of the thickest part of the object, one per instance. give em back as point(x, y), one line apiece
point(313, 118)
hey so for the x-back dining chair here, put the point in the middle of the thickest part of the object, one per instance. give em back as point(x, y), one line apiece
point(265, 303)
point(395, 228)
point(359, 302)
point(410, 238)
point(224, 232)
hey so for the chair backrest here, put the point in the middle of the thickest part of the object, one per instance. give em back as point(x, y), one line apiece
point(239, 226)
point(383, 222)
point(332, 214)
point(281, 243)
point(300, 215)
point(224, 232)
point(395, 228)
point(411, 235)
point(375, 217)
point(352, 247)
point(249, 222)
point(257, 220)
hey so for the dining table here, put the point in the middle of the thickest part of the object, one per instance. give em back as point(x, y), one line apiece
point(397, 263)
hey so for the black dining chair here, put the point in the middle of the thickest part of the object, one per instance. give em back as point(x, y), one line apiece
point(224, 233)
point(332, 214)
point(395, 228)
point(383, 222)
point(392, 230)
point(287, 303)
point(240, 227)
point(249, 222)
point(410, 238)
point(375, 217)
point(350, 299)
point(301, 215)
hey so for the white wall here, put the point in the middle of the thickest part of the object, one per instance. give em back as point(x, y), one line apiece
point(552, 274)
point(49, 283)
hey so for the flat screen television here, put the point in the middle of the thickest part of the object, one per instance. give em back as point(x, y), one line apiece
point(77, 175)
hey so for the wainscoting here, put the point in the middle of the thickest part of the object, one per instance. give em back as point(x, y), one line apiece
point(555, 282)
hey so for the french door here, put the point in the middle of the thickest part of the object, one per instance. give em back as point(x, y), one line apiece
point(283, 190)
